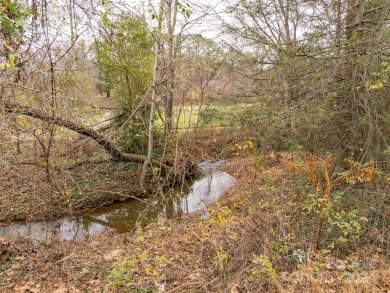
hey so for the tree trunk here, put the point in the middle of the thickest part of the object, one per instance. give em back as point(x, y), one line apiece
point(354, 21)
point(153, 102)
point(98, 137)
point(171, 15)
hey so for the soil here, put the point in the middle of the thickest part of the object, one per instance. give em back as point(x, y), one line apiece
point(28, 194)
point(189, 254)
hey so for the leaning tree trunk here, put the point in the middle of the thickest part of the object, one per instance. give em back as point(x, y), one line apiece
point(83, 130)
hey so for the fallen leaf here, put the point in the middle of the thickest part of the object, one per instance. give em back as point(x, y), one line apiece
point(94, 282)
point(160, 287)
point(19, 257)
point(329, 280)
point(59, 283)
point(194, 276)
point(73, 289)
point(251, 279)
point(4, 241)
point(22, 289)
point(60, 290)
point(234, 288)
point(16, 265)
point(114, 254)
point(329, 267)
point(36, 289)
point(10, 285)
point(139, 239)
point(341, 267)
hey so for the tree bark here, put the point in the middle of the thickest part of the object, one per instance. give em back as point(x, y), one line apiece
point(171, 16)
point(153, 102)
point(83, 130)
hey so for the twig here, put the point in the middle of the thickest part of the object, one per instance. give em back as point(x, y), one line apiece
point(62, 259)
point(181, 286)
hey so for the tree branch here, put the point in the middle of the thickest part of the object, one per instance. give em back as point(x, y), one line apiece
point(83, 130)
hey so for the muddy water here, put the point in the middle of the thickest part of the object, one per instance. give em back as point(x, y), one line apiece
point(123, 216)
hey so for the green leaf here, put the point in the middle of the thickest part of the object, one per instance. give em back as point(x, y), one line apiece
point(143, 255)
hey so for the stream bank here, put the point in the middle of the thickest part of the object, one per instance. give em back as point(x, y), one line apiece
point(235, 250)
point(121, 217)
point(27, 195)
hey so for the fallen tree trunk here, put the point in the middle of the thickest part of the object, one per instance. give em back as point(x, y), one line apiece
point(83, 130)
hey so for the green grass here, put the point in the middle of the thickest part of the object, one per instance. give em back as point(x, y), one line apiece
point(187, 117)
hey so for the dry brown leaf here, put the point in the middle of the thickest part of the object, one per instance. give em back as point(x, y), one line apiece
point(251, 279)
point(234, 288)
point(329, 280)
point(94, 282)
point(22, 289)
point(16, 265)
point(60, 290)
point(341, 267)
point(73, 289)
point(19, 257)
point(329, 267)
point(113, 255)
point(85, 271)
point(4, 240)
point(195, 276)
point(36, 289)
point(60, 284)
point(10, 285)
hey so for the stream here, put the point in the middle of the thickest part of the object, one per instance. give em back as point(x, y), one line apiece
point(122, 217)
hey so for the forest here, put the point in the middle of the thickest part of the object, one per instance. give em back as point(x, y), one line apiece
point(194, 146)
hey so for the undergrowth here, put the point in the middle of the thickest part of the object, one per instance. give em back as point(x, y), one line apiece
point(292, 222)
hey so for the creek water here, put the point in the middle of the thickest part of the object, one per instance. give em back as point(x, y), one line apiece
point(123, 216)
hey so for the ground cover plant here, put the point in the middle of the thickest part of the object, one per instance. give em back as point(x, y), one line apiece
point(266, 245)
point(106, 103)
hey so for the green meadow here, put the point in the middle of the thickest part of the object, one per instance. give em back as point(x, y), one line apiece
point(190, 117)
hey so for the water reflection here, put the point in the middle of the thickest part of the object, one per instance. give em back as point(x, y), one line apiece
point(206, 190)
point(123, 216)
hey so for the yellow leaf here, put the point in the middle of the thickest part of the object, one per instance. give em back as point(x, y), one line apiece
point(139, 239)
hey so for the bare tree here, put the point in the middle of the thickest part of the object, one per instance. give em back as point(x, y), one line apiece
point(313, 58)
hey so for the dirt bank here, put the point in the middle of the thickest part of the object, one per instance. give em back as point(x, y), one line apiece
point(238, 249)
point(30, 193)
